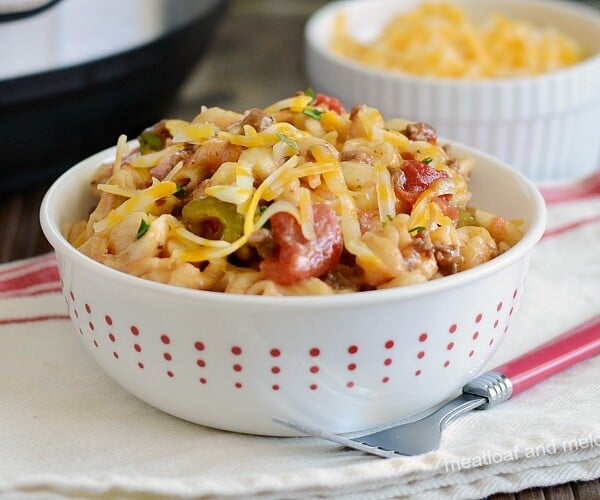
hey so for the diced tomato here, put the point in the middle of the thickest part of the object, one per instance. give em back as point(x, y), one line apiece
point(411, 180)
point(298, 258)
point(331, 103)
point(444, 202)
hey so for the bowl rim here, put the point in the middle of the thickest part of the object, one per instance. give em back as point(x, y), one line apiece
point(535, 230)
point(315, 42)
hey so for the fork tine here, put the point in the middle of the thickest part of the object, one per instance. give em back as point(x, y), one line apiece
point(409, 439)
point(424, 435)
point(311, 431)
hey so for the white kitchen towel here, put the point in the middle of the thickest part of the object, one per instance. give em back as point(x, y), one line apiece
point(67, 430)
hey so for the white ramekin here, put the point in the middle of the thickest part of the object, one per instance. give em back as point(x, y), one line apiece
point(546, 126)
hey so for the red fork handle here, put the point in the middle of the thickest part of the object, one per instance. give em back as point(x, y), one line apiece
point(575, 345)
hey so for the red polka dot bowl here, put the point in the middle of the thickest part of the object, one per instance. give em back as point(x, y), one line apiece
point(343, 363)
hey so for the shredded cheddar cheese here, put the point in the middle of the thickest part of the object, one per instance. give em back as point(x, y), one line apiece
point(140, 202)
point(120, 153)
point(193, 133)
point(117, 190)
point(386, 199)
point(152, 159)
point(438, 39)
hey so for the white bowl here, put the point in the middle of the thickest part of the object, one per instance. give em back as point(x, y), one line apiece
point(546, 125)
point(343, 362)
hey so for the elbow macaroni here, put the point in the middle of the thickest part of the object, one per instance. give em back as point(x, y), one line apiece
point(399, 203)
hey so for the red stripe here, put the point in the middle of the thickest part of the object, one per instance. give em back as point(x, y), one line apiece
point(36, 277)
point(25, 293)
point(556, 231)
point(9, 268)
point(586, 188)
point(32, 319)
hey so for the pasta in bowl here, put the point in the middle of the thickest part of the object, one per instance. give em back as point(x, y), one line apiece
point(299, 198)
point(357, 343)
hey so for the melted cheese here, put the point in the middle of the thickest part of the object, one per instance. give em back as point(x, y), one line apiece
point(386, 198)
point(306, 170)
point(252, 141)
point(141, 202)
point(118, 190)
point(426, 213)
point(120, 152)
point(306, 217)
point(198, 240)
point(231, 194)
point(203, 254)
point(275, 208)
point(194, 133)
point(295, 104)
point(150, 160)
point(349, 219)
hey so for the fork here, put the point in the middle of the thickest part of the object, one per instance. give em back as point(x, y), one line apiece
point(486, 391)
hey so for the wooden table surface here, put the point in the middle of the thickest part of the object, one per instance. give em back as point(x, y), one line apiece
point(255, 59)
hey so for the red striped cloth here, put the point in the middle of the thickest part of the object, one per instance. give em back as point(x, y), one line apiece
point(585, 189)
point(580, 190)
point(30, 291)
point(35, 276)
point(67, 429)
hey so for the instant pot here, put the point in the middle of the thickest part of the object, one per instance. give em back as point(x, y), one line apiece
point(74, 74)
